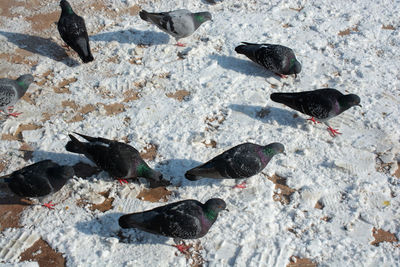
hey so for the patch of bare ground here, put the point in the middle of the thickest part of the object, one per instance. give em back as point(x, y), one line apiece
point(154, 194)
point(43, 254)
point(193, 254)
point(20, 56)
point(348, 31)
point(131, 95)
point(11, 208)
point(283, 192)
point(210, 143)
point(63, 86)
point(388, 27)
point(214, 121)
point(179, 95)
point(301, 262)
point(106, 205)
point(113, 109)
point(18, 133)
point(27, 151)
point(397, 173)
point(382, 236)
point(149, 152)
point(319, 205)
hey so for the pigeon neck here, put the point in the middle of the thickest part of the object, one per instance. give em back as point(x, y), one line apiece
point(142, 170)
point(211, 214)
point(22, 84)
point(268, 151)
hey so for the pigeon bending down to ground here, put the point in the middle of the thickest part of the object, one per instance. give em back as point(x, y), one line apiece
point(73, 31)
point(38, 180)
point(120, 160)
point(187, 219)
point(276, 58)
point(179, 23)
point(11, 91)
point(321, 104)
point(241, 161)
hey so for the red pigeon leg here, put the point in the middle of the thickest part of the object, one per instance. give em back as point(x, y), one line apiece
point(333, 132)
point(281, 75)
point(122, 181)
point(313, 120)
point(242, 185)
point(49, 205)
point(180, 44)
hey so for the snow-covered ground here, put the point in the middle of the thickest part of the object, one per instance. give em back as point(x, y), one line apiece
point(195, 102)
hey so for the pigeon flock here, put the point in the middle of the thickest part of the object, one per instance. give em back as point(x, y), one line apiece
point(186, 219)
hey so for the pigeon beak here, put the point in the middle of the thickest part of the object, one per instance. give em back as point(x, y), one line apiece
point(226, 210)
point(359, 105)
point(295, 75)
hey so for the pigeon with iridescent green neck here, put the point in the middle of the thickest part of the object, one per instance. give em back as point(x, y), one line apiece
point(241, 161)
point(120, 160)
point(276, 58)
point(178, 23)
point(187, 219)
point(11, 91)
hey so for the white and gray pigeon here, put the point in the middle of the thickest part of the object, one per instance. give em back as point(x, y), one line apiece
point(120, 160)
point(178, 23)
point(241, 161)
point(322, 104)
point(73, 31)
point(11, 91)
point(186, 219)
point(39, 180)
point(276, 58)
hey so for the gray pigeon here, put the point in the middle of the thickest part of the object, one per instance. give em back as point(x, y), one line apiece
point(241, 161)
point(72, 29)
point(321, 104)
point(38, 180)
point(187, 219)
point(120, 160)
point(178, 23)
point(276, 58)
point(11, 91)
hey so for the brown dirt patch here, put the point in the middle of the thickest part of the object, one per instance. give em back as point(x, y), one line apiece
point(210, 143)
point(382, 236)
point(69, 103)
point(18, 133)
point(43, 254)
point(348, 31)
point(397, 173)
point(149, 152)
point(301, 262)
point(388, 27)
point(179, 95)
point(62, 87)
point(285, 191)
point(27, 151)
point(154, 194)
point(319, 205)
point(3, 165)
point(87, 109)
point(19, 56)
point(84, 170)
point(76, 118)
point(113, 109)
point(131, 96)
point(298, 9)
point(41, 22)
point(28, 97)
point(11, 208)
point(193, 254)
point(106, 205)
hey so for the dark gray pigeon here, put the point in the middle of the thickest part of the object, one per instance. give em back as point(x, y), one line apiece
point(11, 91)
point(73, 31)
point(178, 23)
point(39, 180)
point(120, 160)
point(241, 161)
point(187, 219)
point(276, 58)
point(321, 104)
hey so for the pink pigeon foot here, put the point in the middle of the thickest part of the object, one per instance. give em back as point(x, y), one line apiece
point(333, 132)
point(14, 114)
point(313, 120)
point(49, 205)
point(183, 248)
point(281, 75)
point(180, 44)
point(122, 181)
point(242, 185)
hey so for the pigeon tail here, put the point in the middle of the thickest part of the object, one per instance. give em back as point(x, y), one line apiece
point(144, 15)
point(190, 176)
point(285, 98)
point(75, 145)
point(130, 221)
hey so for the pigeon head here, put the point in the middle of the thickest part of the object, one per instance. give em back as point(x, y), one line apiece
point(347, 101)
point(66, 7)
point(201, 17)
point(273, 149)
point(145, 171)
point(212, 207)
point(25, 80)
point(294, 66)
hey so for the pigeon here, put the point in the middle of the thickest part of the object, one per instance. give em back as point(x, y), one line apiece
point(120, 160)
point(73, 31)
point(11, 91)
point(39, 180)
point(322, 104)
point(276, 58)
point(178, 23)
point(186, 219)
point(241, 161)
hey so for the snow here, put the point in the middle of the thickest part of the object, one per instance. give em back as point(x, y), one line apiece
point(226, 94)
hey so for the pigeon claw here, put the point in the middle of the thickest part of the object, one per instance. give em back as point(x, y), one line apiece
point(281, 75)
point(313, 120)
point(183, 248)
point(49, 205)
point(333, 132)
point(242, 185)
point(14, 114)
point(180, 44)
point(122, 181)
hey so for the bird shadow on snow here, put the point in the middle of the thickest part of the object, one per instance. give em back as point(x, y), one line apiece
point(268, 114)
point(243, 66)
point(133, 36)
point(106, 225)
point(41, 46)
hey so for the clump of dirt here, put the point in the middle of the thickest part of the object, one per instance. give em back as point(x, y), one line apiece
point(113, 109)
point(106, 205)
point(149, 152)
point(210, 143)
point(27, 151)
point(388, 27)
point(382, 236)
point(348, 31)
point(131, 95)
point(43, 254)
point(285, 191)
point(11, 209)
point(63, 86)
point(179, 95)
point(154, 194)
point(319, 205)
point(300, 262)
point(193, 254)
point(17, 136)
point(214, 122)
